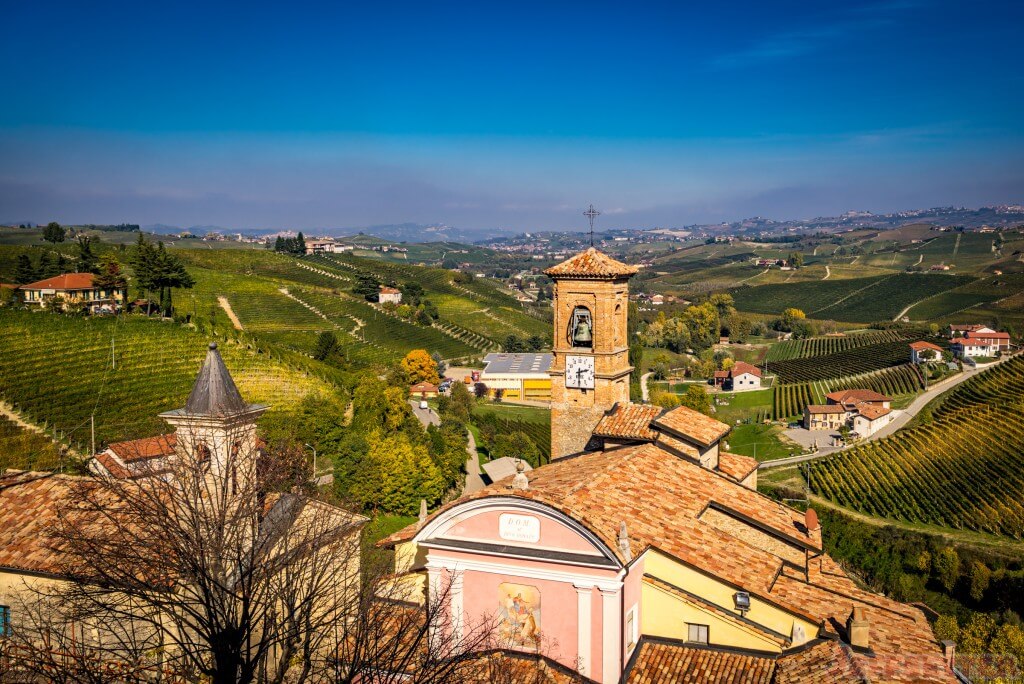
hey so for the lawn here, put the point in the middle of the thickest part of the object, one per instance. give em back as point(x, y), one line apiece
point(529, 414)
point(733, 406)
point(763, 442)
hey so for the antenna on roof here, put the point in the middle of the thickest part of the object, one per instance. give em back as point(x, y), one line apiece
point(591, 214)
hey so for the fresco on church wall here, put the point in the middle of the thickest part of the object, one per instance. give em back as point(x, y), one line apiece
point(519, 615)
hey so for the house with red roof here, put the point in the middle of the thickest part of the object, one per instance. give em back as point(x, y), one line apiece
point(71, 290)
point(980, 342)
point(924, 352)
point(863, 411)
point(741, 376)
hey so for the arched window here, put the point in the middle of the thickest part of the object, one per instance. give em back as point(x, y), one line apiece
point(581, 328)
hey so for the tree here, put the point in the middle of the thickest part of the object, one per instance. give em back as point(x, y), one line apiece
point(366, 286)
point(86, 256)
point(439, 363)
point(696, 398)
point(535, 343)
point(300, 244)
point(25, 272)
point(167, 273)
point(479, 390)
point(54, 232)
point(979, 576)
point(461, 401)
point(724, 304)
point(109, 276)
point(515, 445)
point(513, 344)
point(407, 474)
point(420, 367)
point(47, 267)
point(664, 399)
point(946, 566)
point(326, 346)
point(789, 317)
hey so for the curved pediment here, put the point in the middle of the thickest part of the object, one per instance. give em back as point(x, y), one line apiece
point(513, 526)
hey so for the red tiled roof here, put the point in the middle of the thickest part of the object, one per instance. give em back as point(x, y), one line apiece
point(988, 336)
point(722, 374)
point(591, 264)
point(692, 425)
point(146, 448)
point(389, 290)
point(423, 387)
point(921, 346)
point(823, 662)
point(815, 409)
point(629, 421)
point(67, 281)
point(872, 412)
point(659, 661)
point(741, 367)
point(853, 396)
point(736, 466)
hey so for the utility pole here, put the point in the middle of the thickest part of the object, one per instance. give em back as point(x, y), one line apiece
point(113, 362)
point(92, 432)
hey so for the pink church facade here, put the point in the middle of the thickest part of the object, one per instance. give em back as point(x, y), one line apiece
point(548, 584)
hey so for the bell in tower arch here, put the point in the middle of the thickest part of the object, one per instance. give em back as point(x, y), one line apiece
point(582, 328)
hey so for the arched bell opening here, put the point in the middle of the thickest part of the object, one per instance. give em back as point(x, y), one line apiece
point(581, 328)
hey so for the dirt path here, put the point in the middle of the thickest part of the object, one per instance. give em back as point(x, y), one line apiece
point(828, 272)
point(755, 276)
point(226, 305)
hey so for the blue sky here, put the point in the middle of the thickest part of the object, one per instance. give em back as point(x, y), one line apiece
point(510, 116)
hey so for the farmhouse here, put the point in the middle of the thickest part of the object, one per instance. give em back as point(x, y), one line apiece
point(643, 552)
point(980, 342)
point(863, 411)
point(961, 329)
point(389, 294)
point(742, 376)
point(925, 352)
point(518, 376)
point(71, 290)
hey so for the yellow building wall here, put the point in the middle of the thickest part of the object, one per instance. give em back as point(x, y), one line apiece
point(666, 615)
point(669, 570)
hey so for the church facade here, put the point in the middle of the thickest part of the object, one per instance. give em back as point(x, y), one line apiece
point(643, 552)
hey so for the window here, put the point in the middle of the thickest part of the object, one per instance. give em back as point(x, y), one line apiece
point(5, 621)
point(697, 634)
point(631, 630)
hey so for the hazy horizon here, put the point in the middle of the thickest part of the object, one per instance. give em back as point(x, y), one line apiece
point(489, 118)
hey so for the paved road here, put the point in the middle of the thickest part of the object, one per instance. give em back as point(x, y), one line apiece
point(427, 416)
point(903, 417)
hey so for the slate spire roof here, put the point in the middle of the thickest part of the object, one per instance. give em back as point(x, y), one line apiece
point(214, 392)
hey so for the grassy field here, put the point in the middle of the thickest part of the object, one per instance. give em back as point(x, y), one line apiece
point(763, 442)
point(26, 449)
point(963, 468)
point(733, 406)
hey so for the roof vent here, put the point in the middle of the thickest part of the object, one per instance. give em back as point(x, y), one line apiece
point(857, 628)
point(520, 481)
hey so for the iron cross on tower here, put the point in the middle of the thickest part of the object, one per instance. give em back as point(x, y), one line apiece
point(591, 214)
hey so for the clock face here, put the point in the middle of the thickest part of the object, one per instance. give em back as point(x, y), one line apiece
point(579, 372)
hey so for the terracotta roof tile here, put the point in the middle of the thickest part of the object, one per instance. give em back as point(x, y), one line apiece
point(853, 396)
point(660, 661)
point(735, 465)
point(872, 412)
point(741, 367)
point(629, 421)
point(822, 662)
point(591, 264)
point(146, 448)
point(922, 345)
point(693, 425)
point(825, 408)
point(67, 281)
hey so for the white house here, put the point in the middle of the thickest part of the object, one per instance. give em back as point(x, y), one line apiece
point(389, 294)
point(972, 347)
point(924, 352)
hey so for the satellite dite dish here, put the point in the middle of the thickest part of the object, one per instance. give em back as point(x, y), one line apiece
point(811, 520)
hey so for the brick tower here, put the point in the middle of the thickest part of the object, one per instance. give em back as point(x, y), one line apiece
point(590, 370)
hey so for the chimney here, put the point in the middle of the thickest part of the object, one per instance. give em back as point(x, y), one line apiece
point(949, 652)
point(520, 481)
point(624, 549)
point(857, 629)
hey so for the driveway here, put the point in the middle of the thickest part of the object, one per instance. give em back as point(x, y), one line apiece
point(427, 416)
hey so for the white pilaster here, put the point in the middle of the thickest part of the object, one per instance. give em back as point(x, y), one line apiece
point(611, 633)
point(458, 619)
point(584, 602)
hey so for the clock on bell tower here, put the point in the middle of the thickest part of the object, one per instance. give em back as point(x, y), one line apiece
point(590, 370)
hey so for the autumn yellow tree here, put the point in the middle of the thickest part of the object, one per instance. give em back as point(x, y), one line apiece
point(420, 367)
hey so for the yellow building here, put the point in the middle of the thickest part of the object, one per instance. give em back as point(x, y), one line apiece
point(518, 376)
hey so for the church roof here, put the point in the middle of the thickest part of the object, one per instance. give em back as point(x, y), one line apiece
point(591, 264)
point(629, 421)
point(661, 660)
point(692, 425)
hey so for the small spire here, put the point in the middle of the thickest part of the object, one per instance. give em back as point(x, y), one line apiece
point(624, 548)
point(423, 513)
point(520, 481)
point(214, 392)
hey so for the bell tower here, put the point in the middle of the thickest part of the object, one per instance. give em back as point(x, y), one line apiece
point(590, 370)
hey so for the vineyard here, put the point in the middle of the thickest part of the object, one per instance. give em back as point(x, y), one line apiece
point(24, 449)
point(964, 469)
point(791, 399)
point(852, 361)
point(822, 346)
point(57, 371)
point(864, 300)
